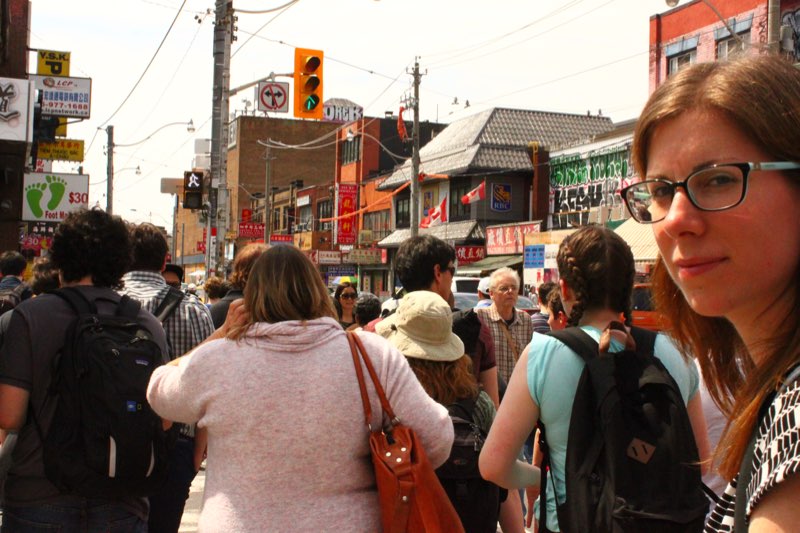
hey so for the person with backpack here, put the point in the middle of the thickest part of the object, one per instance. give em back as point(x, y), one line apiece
point(188, 325)
point(420, 329)
point(13, 289)
point(719, 149)
point(57, 479)
point(600, 465)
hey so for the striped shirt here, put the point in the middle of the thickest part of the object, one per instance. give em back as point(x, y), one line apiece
point(521, 331)
point(189, 324)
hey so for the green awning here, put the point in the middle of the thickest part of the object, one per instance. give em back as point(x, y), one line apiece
point(489, 264)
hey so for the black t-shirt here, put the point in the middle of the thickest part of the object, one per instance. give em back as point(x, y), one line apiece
point(36, 333)
point(219, 311)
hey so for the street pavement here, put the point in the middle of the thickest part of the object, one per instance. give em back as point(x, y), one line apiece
point(191, 512)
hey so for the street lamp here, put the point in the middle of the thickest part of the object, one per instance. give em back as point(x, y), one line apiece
point(110, 154)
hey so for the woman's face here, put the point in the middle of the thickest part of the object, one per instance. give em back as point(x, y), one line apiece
point(739, 263)
point(347, 298)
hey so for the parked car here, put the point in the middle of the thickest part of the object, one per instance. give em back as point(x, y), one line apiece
point(465, 284)
point(466, 300)
point(644, 315)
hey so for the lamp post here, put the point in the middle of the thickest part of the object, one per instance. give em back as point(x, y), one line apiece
point(110, 154)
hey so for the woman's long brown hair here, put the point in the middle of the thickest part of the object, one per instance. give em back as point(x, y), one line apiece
point(446, 382)
point(761, 95)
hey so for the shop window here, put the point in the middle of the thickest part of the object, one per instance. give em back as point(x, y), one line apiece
point(324, 210)
point(403, 213)
point(305, 219)
point(459, 211)
point(732, 46)
point(379, 223)
point(681, 61)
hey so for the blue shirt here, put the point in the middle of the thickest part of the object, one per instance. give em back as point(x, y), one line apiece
point(553, 374)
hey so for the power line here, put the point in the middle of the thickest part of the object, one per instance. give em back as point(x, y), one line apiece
point(284, 7)
point(147, 67)
point(263, 11)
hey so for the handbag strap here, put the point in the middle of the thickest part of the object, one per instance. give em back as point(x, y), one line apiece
point(510, 339)
point(359, 352)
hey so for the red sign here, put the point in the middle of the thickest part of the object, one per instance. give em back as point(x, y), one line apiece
point(201, 246)
point(251, 230)
point(247, 215)
point(281, 239)
point(509, 238)
point(346, 203)
point(469, 254)
point(213, 232)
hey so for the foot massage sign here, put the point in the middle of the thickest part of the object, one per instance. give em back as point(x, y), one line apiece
point(51, 196)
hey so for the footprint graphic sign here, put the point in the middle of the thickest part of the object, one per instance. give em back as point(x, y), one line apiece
point(50, 196)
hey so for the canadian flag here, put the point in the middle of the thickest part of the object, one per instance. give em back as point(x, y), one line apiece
point(436, 215)
point(478, 193)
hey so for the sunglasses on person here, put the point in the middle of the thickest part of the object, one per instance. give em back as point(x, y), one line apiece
point(713, 188)
point(348, 296)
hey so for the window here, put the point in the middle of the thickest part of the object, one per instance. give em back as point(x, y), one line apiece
point(459, 211)
point(305, 219)
point(731, 47)
point(403, 212)
point(379, 222)
point(324, 211)
point(681, 61)
point(351, 150)
point(276, 219)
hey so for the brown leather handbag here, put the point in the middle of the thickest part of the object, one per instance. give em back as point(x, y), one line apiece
point(411, 497)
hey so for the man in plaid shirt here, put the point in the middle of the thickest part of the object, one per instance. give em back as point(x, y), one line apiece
point(187, 326)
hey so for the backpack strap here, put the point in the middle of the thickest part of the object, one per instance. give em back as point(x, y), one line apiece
point(77, 300)
point(466, 408)
point(168, 304)
point(578, 341)
point(746, 467)
point(645, 340)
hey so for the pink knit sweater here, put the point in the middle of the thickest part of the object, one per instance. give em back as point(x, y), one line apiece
point(287, 443)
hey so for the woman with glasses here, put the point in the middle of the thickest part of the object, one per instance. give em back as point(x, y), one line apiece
point(718, 146)
point(345, 302)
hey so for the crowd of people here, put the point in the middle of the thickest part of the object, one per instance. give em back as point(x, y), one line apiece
point(258, 383)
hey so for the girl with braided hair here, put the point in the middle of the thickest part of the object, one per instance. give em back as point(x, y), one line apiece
point(596, 271)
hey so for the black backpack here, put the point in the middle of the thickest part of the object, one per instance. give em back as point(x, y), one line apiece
point(476, 500)
point(105, 440)
point(10, 298)
point(632, 462)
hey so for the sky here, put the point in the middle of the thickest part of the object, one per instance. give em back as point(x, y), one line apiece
point(568, 56)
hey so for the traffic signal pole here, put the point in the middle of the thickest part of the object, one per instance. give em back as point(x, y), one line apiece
point(414, 203)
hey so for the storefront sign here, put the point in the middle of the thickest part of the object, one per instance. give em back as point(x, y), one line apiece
point(61, 150)
point(16, 110)
point(363, 256)
point(281, 239)
point(65, 97)
point(37, 236)
point(346, 197)
point(510, 238)
point(251, 230)
point(534, 256)
point(50, 197)
point(329, 257)
point(303, 200)
point(501, 197)
point(469, 254)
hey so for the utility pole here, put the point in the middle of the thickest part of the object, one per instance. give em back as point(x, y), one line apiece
point(414, 203)
point(773, 25)
point(267, 189)
point(218, 196)
point(110, 171)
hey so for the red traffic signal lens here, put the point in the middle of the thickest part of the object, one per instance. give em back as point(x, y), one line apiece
point(312, 64)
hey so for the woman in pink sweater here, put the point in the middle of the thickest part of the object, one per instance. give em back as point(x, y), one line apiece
point(277, 391)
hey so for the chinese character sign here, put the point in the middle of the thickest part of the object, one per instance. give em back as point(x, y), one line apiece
point(509, 239)
point(466, 255)
point(347, 195)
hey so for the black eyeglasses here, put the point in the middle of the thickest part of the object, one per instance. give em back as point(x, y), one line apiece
point(713, 188)
point(348, 296)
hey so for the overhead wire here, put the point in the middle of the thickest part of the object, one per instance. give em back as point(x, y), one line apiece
point(283, 9)
point(152, 59)
point(264, 11)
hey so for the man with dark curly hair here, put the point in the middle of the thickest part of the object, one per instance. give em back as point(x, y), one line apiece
point(186, 327)
point(91, 249)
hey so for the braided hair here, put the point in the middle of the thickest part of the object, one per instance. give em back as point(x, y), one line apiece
point(598, 266)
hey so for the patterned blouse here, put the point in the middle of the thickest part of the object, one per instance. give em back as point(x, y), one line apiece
point(776, 458)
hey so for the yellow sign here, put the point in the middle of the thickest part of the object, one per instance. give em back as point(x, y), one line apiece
point(62, 150)
point(54, 63)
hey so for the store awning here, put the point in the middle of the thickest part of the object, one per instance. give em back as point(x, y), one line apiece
point(452, 231)
point(490, 263)
point(641, 240)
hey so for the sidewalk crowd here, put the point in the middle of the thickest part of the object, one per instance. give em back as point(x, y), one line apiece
point(116, 385)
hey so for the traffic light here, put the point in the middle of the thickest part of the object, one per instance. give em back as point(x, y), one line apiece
point(308, 83)
point(44, 126)
point(192, 190)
